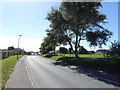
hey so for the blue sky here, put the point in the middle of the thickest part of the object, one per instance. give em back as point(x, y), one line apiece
point(28, 19)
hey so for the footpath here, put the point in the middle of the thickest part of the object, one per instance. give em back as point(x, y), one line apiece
point(19, 78)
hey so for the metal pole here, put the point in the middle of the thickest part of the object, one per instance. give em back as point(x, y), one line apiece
point(18, 45)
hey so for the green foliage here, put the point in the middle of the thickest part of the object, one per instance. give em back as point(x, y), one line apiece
point(10, 48)
point(115, 51)
point(82, 55)
point(101, 64)
point(45, 48)
point(76, 21)
point(100, 37)
point(42, 48)
point(63, 50)
point(7, 68)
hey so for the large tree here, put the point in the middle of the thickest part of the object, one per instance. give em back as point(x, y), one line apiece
point(77, 21)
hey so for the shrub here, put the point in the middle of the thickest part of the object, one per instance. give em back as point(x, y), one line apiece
point(114, 51)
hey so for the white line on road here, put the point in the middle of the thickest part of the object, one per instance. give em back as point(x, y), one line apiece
point(29, 75)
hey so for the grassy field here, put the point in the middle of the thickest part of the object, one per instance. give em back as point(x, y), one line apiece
point(86, 55)
point(93, 56)
point(6, 68)
point(99, 62)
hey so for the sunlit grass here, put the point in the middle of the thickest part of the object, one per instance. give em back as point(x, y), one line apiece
point(86, 55)
point(73, 55)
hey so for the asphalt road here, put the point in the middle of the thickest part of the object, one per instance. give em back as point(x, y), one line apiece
point(43, 73)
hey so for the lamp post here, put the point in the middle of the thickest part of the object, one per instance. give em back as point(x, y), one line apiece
point(18, 45)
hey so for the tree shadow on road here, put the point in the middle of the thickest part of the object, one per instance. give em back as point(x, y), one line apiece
point(95, 74)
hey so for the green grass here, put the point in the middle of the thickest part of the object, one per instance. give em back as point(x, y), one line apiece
point(98, 62)
point(73, 55)
point(7, 68)
point(86, 55)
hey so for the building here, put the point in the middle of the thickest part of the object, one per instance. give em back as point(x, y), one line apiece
point(4, 53)
point(20, 51)
point(101, 51)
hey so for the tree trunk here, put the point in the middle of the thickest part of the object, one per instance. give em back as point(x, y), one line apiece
point(76, 54)
point(76, 47)
point(75, 51)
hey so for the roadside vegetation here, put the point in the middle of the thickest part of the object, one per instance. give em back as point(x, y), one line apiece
point(73, 22)
point(98, 62)
point(6, 68)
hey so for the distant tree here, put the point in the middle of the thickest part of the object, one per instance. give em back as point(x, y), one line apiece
point(77, 21)
point(11, 48)
point(44, 49)
point(63, 50)
point(82, 50)
point(28, 53)
point(51, 39)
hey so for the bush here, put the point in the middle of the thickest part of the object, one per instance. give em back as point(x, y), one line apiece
point(63, 50)
point(115, 51)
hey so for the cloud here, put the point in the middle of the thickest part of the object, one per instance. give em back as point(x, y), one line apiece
point(28, 44)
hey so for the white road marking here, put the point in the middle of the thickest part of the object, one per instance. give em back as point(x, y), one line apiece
point(29, 76)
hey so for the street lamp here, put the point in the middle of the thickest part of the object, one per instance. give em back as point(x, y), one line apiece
point(18, 45)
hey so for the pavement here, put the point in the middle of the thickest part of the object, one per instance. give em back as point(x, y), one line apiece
point(39, 72)
point(19, 78)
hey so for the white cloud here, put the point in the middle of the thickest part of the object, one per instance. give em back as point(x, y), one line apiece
point(28, 44)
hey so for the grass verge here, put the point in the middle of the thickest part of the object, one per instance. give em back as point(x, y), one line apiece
point(98, 62)
point(6, 68)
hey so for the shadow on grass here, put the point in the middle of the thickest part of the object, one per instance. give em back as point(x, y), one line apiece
point(50, 55)
point(87, 66)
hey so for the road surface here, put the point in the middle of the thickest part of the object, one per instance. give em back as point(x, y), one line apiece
point(43, 73)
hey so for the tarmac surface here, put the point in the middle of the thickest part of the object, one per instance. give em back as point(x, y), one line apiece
point(39, 72)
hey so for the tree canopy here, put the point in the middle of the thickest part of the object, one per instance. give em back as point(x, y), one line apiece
point(77, 21)
point(11, 48)
point(114, 51)
point(44, 49)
